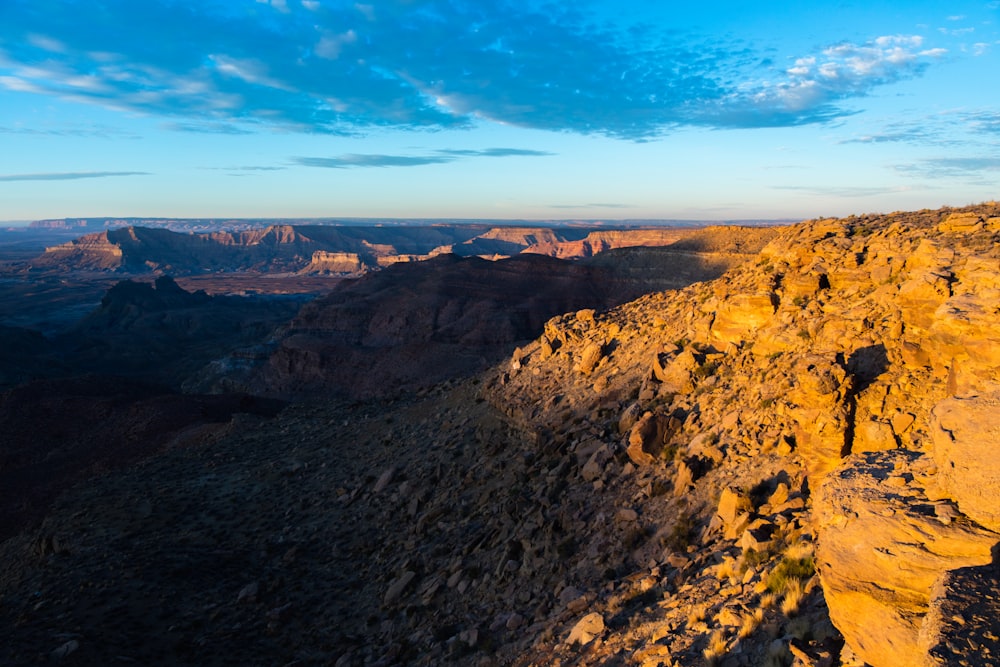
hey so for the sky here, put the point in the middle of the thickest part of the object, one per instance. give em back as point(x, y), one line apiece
point(591, 109)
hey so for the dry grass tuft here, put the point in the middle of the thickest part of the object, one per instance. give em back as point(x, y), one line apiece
point(751, 622)
point(794, 593)
point(696, 614)
point(727, 569)
point(716, 647)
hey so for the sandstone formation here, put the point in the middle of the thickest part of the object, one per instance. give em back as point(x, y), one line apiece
point(788, 464)
point(884, 546)
point(850, 349)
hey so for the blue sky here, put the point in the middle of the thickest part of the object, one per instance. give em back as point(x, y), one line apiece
point(505, 109)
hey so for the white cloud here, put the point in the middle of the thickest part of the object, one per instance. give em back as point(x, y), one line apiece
point(330, 46)
point(47, 43)
point(247, 70)
point(19, 85)
point(280, 5)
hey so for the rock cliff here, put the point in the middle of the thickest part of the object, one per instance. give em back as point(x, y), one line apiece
point(788, 464)
point(858, 355)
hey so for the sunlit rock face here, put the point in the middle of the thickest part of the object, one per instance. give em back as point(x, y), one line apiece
point(884, 545)
point(863, 353)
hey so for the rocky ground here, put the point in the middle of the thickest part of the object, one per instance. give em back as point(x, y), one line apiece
point(789, 465)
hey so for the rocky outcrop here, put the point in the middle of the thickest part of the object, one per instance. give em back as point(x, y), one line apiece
point(964, 433)
point(862, 353)
point(884, 546)
point(324, 262)
point(94, 252)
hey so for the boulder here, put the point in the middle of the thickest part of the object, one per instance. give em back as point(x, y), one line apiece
point(742, 315)
point(965, 222)
point(586, 629)
point(645, 441)
point(819, 407)
point(881, 550)
point(965, 433)
point(590, 357)
point(675, 373)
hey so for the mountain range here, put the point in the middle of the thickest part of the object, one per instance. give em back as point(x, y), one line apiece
point(338, 250)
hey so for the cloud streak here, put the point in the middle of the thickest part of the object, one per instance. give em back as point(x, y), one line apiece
point(355, 160)
point(952, 167)
point(845, 191)
point(594, 205)
point(344, 68)
point(69, 175)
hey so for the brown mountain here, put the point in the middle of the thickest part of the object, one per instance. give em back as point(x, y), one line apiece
point(327, 249)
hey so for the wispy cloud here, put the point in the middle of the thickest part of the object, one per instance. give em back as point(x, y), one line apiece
point(845, 191)
point(595, 205)
point(951, 167)
point(206, 128)
point(353, 160)
point(946, 128)
point(69, 175)
point(984, 121)
point(68, 131)
point(495, 152)
point(344, 68)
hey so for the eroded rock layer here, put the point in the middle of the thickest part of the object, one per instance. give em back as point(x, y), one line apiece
point(791, 464)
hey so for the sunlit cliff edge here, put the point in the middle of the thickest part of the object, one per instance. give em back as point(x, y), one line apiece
point(791, 464)
point(837, 400)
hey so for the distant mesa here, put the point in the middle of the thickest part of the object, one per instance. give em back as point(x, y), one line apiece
point(347, 250)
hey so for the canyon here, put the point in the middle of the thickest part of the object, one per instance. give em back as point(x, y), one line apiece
point(746, 447)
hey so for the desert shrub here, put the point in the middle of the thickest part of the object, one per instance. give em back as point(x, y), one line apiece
point(791, 569)
point(768, 600)
point(706, 369)
point(794, 593)
point(754, 558)
point(727, 570)
point(669, 452)
point(696, 614)
point(679, 537)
